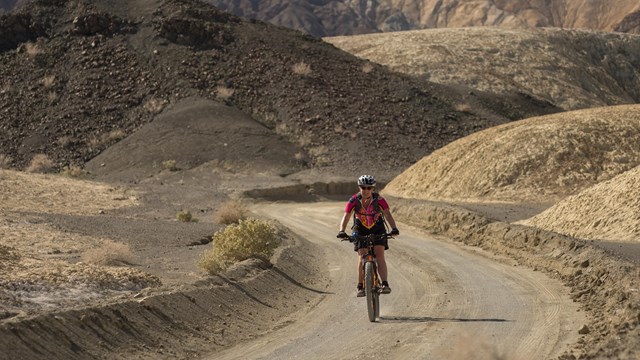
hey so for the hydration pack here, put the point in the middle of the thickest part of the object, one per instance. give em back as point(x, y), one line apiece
point(374, 203)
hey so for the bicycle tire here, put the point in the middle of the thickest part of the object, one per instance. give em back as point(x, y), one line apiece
point(376, 301)
point(370, 291)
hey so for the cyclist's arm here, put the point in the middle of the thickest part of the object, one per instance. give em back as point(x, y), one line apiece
point(345, 221)
point(389, 218)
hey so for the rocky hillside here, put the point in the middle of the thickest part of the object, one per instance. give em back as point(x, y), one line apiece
point(332, 18)
point(78, 76)
point(571, 69)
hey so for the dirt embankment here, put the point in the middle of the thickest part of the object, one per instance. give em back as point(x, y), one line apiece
point(251, 299)
point(606, 286)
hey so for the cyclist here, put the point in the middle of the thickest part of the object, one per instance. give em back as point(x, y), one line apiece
point(370, 210)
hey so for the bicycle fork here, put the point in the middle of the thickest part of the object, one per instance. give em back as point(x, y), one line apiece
point(376, 277)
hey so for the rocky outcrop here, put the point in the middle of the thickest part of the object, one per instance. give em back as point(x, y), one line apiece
point(101, 23)
point(630, 23)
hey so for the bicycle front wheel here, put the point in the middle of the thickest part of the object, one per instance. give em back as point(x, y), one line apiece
point(370, 291)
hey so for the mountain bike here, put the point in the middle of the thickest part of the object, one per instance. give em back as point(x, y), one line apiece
point(372, 282)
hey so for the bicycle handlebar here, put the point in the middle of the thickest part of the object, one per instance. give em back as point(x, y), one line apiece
point(351, 238)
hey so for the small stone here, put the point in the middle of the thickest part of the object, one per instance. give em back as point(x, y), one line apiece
point(584, 330)
point(584, 264)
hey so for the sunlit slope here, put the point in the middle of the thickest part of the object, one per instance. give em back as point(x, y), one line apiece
point(572, 69)
point(607, 211)
point(539, 159)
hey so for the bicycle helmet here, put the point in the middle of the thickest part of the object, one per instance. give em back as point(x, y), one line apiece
point(366, 180)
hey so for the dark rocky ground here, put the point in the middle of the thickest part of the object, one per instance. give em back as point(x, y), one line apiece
point(77, 76)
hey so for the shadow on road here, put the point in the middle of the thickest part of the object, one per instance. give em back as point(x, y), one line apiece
point(418, 319)
point(294, 281)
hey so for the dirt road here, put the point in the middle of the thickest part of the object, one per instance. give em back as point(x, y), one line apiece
point(447, 302)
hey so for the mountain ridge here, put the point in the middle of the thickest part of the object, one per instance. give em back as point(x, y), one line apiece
point(333, 18)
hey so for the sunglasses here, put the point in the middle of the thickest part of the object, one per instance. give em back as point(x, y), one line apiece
point(366, 187)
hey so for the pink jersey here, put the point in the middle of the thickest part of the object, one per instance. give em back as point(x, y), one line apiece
point(368, 217)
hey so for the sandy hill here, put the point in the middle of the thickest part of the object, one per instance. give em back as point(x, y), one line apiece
point(331, 18)
point(609, 210)
point(78, 76)
point(536, 160)
point(569, 68)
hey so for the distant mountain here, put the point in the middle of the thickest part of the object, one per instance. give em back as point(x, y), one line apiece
point(343, 17)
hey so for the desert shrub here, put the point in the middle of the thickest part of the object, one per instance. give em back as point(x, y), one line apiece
point(115, 135)
point(65, 141)
point(462, 107)
point(154, 106)
point(40, 163)
point(367, 68)
point(109, 253)
point(106, 139)
point(230, 212)
point(52, 96)
point(250, 238)
point(301, 68)
point(32, 49)
point(169, 165)
point(48, 81)
point(223, 92)
point(75, 172)
point(5, 161)
point(185, 216)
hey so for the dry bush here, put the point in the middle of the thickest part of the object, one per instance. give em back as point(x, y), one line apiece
point(40, 163)
point(115, 135)
point(185, 216)
point(367, 68)
point(462, 107)
point(48, 81)
point(154, 106)
point(52, 96)
point(75, 172)
point(106, 139)
point(230, 212)
point(5, 161)
point(282, 129)
point(32, 49)
point(109, 253)
point(169, 165)
point(94, 142)
point(250, 238)
point(224, 93)
point(301, 68)
point(305, 139)
point(64, 141)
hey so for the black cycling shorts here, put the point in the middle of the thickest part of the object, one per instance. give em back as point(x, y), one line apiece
point(359, 244)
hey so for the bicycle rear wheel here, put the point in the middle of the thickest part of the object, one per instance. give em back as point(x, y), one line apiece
point(370, 291)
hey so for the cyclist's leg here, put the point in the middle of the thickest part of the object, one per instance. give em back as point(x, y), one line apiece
point(382, 263)
point(360, 272)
